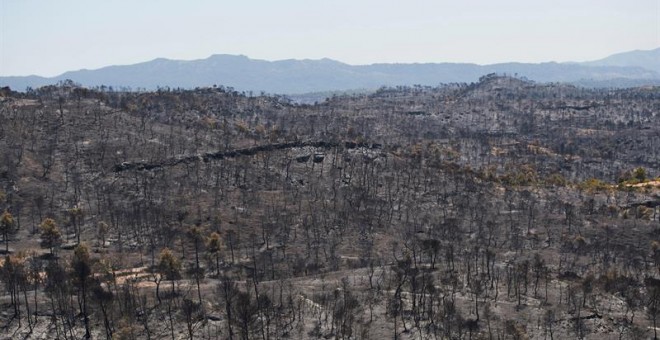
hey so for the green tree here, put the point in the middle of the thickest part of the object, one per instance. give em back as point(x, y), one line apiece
point(7, 228)
point(639, 174)
point(213, 247)
point(51, 237)
point(169, 266)
point(81, 272)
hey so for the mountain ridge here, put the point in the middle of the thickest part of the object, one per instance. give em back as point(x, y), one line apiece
point(650, 59)
point(292, 76)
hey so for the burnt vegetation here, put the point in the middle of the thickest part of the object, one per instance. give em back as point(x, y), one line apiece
point(501, 209)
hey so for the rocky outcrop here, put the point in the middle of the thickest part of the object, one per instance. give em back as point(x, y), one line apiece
point(210, 156)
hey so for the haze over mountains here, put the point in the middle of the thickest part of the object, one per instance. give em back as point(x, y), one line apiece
point(633, 68)
point(646, 59)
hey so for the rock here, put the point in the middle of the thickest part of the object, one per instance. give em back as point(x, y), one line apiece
point(69, 246)
point(213, 317)
point(303, 159)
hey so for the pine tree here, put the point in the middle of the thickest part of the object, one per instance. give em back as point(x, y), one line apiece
point(7, 228)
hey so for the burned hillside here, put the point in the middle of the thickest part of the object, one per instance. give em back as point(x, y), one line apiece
point(502, 208)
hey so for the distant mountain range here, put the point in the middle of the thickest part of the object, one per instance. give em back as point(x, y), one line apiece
point(634, 68)
point(649, 60)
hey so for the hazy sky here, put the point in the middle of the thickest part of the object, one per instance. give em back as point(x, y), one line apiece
point(48, 37)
